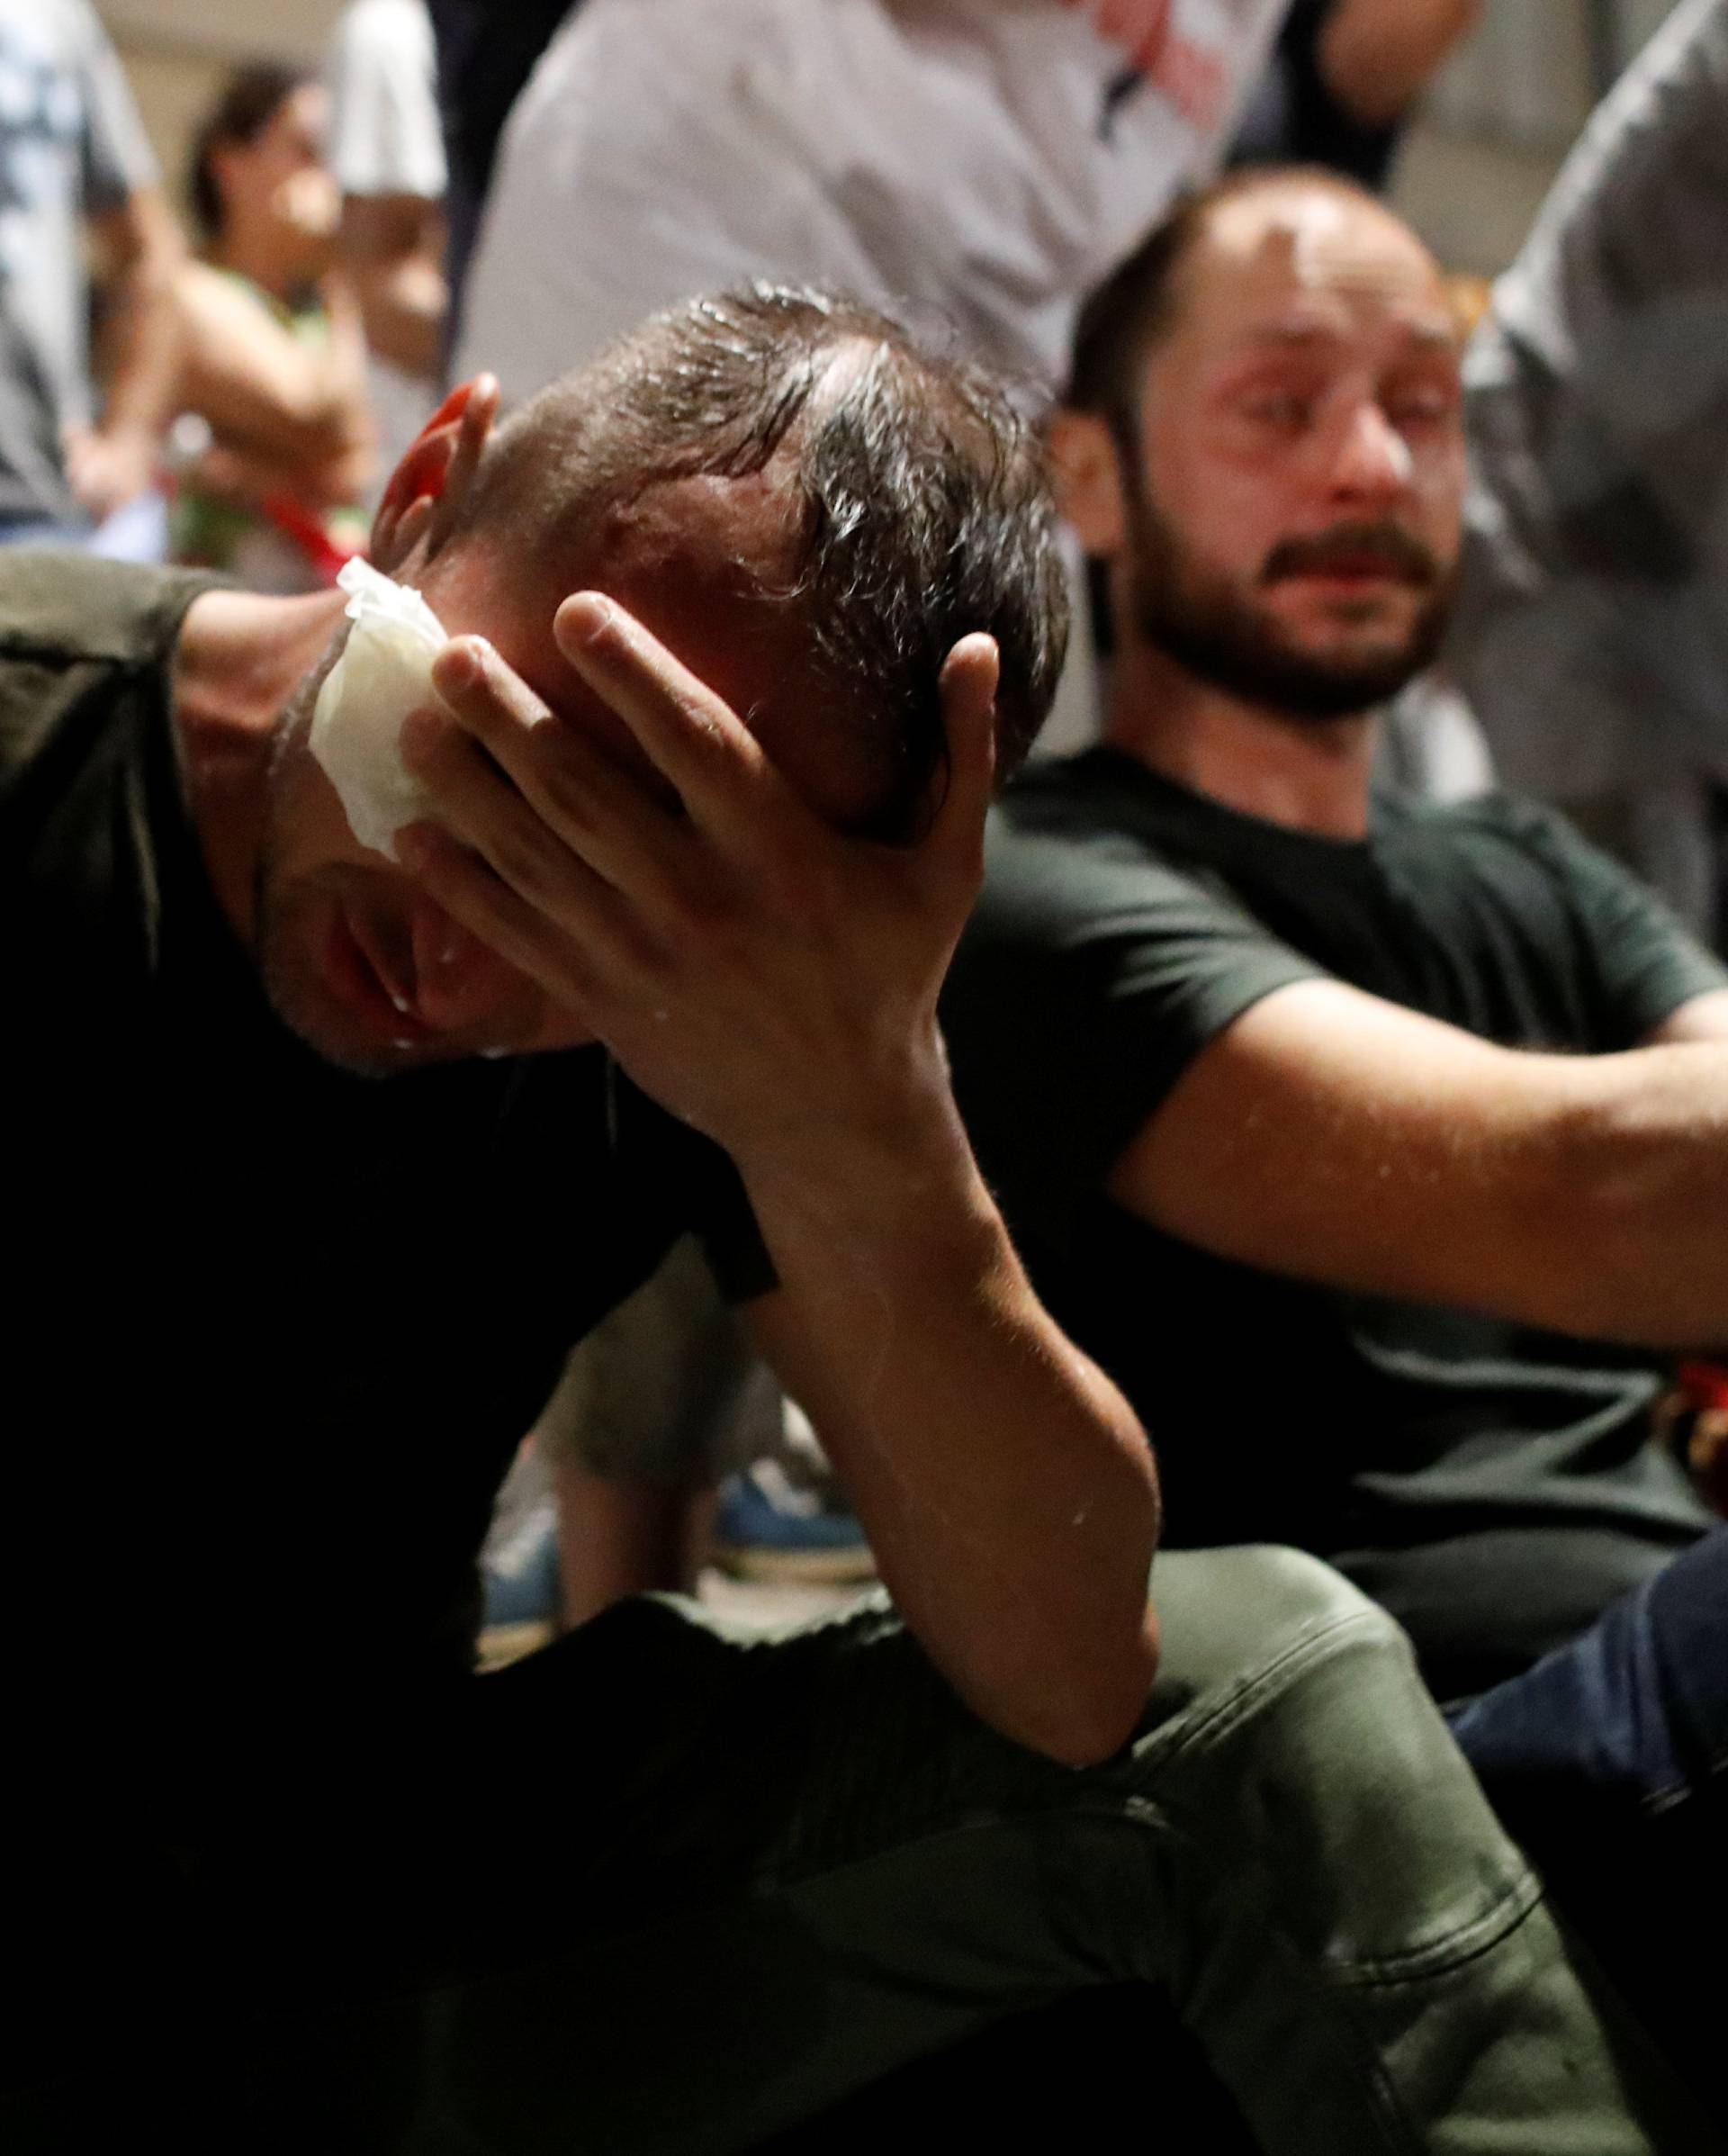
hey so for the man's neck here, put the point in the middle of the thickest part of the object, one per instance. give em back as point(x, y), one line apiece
point(239, 660)
point(1308, 774)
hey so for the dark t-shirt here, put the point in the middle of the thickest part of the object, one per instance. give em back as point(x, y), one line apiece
point(274, 1330)
point(1493, 1484)
point(486, 55)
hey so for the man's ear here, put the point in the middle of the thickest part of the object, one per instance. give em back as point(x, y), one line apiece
point(424, 495)
point(1088, 473)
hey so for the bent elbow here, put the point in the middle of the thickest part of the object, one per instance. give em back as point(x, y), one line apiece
point(1086, 1721)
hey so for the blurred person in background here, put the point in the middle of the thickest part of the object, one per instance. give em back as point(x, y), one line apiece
point(388, 155)
point(484, 57)
point(1591, 632)
point(74, 167)
point(958, 159)
point(1345, 81)
point(1401, 1123)
point(272, 358)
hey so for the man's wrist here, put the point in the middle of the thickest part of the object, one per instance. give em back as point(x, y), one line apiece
point(130, 440)
point(898, 1168)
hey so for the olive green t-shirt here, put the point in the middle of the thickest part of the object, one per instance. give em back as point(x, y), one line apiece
point(274, 1331)
point(1493, 1484)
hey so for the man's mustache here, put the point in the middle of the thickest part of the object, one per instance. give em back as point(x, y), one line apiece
point(1346, 547)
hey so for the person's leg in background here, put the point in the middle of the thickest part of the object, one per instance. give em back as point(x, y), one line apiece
point(809, 1866)
point(663, 1400)
point(1609, 1760)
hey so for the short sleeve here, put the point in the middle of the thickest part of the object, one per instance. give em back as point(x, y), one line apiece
point(693, 1187)
point(1644, 962)
point(117, 159)
point(386, 134)
point(725, 1225)
point(1089, 978)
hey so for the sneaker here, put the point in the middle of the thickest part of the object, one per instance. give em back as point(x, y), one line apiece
point(770, 1528)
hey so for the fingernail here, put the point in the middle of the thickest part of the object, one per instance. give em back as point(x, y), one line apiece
point(458, 665)
point(589, 615)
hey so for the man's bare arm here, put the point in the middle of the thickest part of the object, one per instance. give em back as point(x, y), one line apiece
point(775, 982)
point(268, 394)
point(1339, 1138)
point(1006, 1487)
point(1378, 56)
point(1703, 1018)
point(139, 251)
point(392, 247)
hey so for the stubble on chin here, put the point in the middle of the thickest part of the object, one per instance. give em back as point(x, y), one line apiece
point(1230, 638)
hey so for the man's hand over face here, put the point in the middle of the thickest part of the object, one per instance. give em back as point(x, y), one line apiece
point(768, 978)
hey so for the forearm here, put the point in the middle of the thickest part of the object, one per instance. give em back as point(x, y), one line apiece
point(141, 345)
point(392, 247)
point(403, 304)
point(1329, 1136)
point(1377, 56)
point(346, 354)
point(1637, 1218)
point(1008, 1491)
point(270, 396)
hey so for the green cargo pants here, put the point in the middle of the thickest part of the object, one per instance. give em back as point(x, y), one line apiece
point(812, 1865)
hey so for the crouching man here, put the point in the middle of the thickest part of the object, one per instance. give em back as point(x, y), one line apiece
point(323, 1156)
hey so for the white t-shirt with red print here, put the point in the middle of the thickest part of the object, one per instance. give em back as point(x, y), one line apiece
point(985, 161)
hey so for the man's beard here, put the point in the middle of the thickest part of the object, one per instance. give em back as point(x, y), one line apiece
point(1218, 632)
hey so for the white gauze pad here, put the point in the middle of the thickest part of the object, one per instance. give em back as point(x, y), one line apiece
point(384, 672)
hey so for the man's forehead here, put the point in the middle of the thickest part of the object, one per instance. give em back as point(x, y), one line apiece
point(709, 565)
point(706, 546)
point(1284, 269)
point(729, 535)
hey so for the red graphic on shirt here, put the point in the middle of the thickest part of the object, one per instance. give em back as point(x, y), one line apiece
point(1191, 76)
point(1140, 27)
point(1194, 79)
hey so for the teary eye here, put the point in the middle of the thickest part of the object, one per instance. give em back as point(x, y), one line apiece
point(1421, 404)
point(1288, 410)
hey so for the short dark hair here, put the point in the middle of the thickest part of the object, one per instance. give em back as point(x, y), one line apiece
point(926, 503)
point(248, 101)
point(1136, 303)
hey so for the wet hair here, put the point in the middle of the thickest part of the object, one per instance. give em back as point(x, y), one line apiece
point(1138, 302)
point(924, 509)
point(247, 103)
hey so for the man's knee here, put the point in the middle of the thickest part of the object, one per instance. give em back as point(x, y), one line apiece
point(1291, 1732)
point(1224, 1614)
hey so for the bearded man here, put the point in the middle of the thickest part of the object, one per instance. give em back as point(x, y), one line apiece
point(1375, 1148)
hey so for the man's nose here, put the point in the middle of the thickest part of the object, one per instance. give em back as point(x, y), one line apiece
point(1371, 459)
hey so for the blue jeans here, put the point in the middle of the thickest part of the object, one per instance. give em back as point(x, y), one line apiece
point(1608, 1761)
